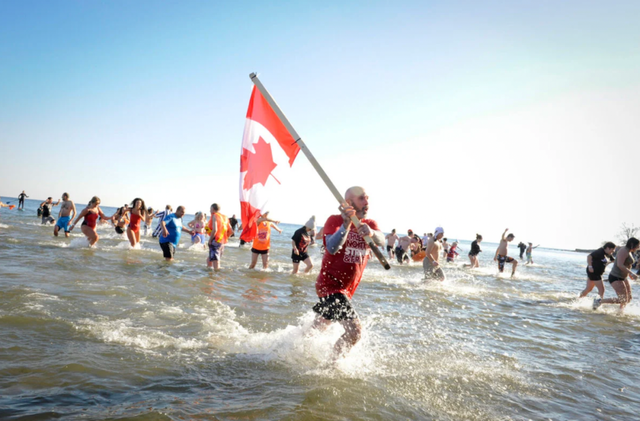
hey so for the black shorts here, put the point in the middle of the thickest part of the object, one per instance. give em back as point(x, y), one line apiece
point(259, 251)
point(119, 230)
point(389, 248)
point(502, 260)
point(399, 254)
point(297, 258)
point(335, 307)
point(594, 276)
point(613, 279)
point(168, 250)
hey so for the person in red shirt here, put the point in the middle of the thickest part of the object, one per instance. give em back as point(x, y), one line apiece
point(343, 262)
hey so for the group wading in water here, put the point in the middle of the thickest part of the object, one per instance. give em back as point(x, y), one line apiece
point(345, 253)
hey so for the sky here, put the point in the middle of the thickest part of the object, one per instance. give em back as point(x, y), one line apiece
point(472, 115)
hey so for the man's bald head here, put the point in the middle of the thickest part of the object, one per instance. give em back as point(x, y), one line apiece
point(357, 197)
point(353, 192)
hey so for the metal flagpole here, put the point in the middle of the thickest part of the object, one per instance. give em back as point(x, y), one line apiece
point(316, 165)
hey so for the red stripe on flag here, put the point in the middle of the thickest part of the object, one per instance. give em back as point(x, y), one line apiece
point(260, 111)
point(249, 217)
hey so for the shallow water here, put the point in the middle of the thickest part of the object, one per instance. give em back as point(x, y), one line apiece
point(115, 333)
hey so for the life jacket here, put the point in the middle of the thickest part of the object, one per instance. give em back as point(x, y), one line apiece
point(223, 228)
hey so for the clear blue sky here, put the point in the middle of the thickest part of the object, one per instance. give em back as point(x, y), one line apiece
point(476, 115)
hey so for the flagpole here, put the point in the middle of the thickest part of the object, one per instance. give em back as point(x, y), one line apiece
point(316, 165)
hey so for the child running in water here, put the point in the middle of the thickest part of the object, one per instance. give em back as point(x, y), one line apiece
point(451, 255)
point(198, 228)
point(529, 251)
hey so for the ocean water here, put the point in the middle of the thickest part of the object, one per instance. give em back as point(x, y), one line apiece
point(112, 333)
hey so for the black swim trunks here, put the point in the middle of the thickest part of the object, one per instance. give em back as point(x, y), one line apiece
point(613, 278)
point(399, 254)
point(259, 251)
point(595, 276)
point(502, 260)
point(297, 258)
point(389, 248)
point(335, 307)
point(119, 230)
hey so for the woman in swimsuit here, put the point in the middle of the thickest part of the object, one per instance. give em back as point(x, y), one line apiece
point(473, 253)
point(597, 262)
point(618, 276)
point(90, 215)
point(138, 212)
point(198, 227)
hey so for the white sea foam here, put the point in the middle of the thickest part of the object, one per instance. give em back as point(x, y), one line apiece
point(197, 248)
point(631, 310)
point(82, 242)
point(144, 338)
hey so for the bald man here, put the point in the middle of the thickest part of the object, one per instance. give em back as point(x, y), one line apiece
point(343, 263)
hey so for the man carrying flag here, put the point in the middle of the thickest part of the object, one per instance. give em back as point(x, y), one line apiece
point(342, 266)
point(348, 237)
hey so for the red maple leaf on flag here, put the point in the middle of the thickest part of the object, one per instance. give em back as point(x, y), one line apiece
point(258, 164)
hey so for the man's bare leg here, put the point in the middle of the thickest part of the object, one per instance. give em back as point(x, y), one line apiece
point(351, 336)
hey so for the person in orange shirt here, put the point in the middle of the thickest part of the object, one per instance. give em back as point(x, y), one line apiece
point(263, 240)
point(220, 231)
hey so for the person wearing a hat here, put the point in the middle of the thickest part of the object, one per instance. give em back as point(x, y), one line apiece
point(430, 264)
point(300, 241)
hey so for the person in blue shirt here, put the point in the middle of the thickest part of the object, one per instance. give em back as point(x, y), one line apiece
point(172, 229)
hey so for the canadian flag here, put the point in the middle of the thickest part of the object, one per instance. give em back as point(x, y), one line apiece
point(268, 152)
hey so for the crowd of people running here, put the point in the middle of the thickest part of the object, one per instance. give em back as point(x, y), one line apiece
point(136, 219)
point(344, 252)
point(431, 246)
